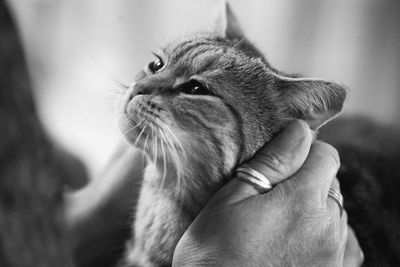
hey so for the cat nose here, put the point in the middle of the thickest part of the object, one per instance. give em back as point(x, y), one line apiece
point(139, 89)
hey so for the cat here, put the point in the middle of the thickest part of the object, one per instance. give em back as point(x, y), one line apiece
point(215, 123)
point(204, 106)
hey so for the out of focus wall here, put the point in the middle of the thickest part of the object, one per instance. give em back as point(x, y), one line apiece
point(77, 47)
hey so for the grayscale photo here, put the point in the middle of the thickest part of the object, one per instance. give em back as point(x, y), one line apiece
point(169, 133)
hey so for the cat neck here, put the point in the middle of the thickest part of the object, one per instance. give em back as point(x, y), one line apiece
point(166, 207)
point(190, 188)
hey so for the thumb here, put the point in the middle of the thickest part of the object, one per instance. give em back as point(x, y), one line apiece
point(277, 161)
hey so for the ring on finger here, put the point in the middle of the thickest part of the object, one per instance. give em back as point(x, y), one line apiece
point(338, 198)
point(253, 177)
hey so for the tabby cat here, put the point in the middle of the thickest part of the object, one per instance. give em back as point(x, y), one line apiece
point(208, 103)
point(205, 105)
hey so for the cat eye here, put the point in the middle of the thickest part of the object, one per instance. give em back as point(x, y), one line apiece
point(194, 87)
point(156, 65)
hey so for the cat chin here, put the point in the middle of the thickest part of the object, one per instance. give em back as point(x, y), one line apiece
point(129, 129)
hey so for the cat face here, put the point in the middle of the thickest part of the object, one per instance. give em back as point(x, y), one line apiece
point(210, 101)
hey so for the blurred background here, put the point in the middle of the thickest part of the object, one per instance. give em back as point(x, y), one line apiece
point(78, 49)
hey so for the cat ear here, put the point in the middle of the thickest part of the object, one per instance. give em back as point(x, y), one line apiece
point(226, 24)
point(315, 101)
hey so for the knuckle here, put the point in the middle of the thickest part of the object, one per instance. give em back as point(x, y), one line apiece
point(306, 190)
point(304, 199)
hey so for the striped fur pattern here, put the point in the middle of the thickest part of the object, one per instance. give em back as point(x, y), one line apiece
point(195, 140)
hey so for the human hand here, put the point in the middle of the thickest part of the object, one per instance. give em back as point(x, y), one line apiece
point(295, 224)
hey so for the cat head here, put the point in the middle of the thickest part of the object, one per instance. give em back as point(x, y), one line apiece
point(210, 101)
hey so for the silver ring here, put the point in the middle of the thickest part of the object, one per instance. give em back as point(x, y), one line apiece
point(338, 198)
point(253, 177)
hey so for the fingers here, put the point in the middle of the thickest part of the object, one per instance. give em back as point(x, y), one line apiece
point(277, 161)
point(353, 255)
point(281, 158)
point(315, 177)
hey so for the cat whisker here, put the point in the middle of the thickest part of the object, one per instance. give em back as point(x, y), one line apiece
point(164, 162)
point(152, 148)
point(176, 142)
point(162, 183)
point(145, 141)
point(175, 150)
point(118, 90)
point(171, 134)
point(134, 127)
point(164, 172)
point(159, 47)
point(183, 30)
point(155, 147)
point(238, 43)
point(169, 144)
point(121, 86)
point(140, 134)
